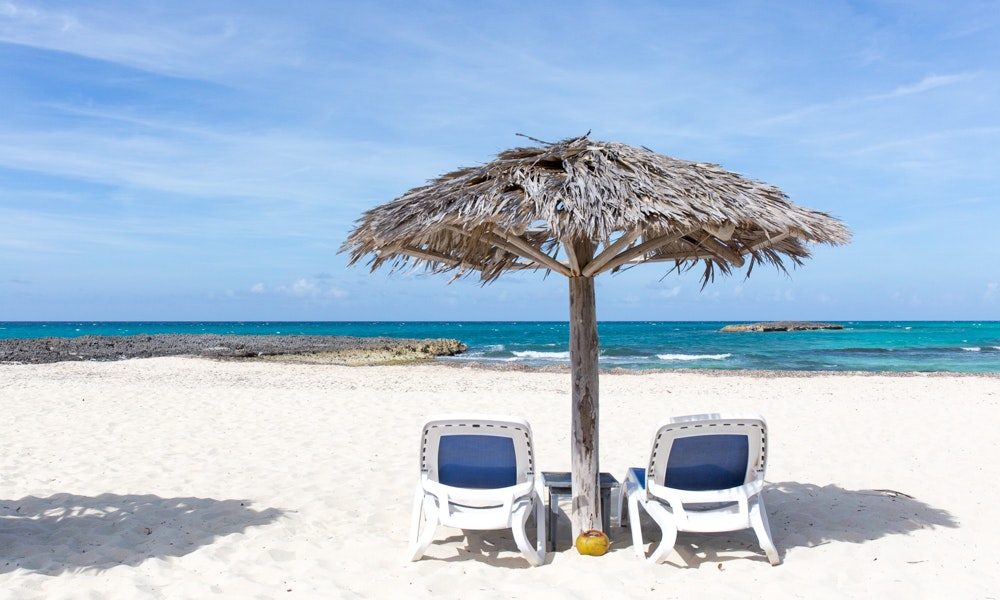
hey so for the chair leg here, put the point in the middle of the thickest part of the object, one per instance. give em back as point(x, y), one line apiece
point(419, 544)
point(758, 519)
point(666, 545)
point(541, 515)
point(635, 525)
point(668, 531)
point(518, 522)
point(620, 499)
point(418, 516)
point(630, 485)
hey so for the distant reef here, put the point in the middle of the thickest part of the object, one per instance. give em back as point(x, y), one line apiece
point(781, 326)
point(288, 348)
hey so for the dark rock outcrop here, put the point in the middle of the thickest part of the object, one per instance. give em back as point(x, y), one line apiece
point(304, 348)
point(781, 326)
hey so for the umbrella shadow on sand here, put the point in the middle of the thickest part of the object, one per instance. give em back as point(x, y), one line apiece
point(68, 532)
point(804, 515)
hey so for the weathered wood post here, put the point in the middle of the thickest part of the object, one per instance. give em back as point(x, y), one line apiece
point(583, 351)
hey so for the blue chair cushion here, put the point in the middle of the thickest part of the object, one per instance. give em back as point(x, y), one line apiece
point(479, 462)
point(707, 462)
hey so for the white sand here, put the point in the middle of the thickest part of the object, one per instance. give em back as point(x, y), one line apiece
point(188, 478)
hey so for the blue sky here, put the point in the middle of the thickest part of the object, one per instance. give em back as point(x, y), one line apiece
point(191, 160)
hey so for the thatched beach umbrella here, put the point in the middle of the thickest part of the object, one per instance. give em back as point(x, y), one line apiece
point(580, 208)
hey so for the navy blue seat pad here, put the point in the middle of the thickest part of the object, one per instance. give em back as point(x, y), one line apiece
point(477, 461)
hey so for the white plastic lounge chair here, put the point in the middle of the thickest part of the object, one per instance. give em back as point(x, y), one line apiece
point(477, 472)
point(705, 474)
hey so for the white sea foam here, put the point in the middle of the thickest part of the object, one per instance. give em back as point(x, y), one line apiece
point(693, 356)
point(972, 349)
point(542, 355)
point(476, 357)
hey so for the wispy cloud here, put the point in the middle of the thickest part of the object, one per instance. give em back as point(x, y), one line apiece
point(928, 83)
point(210, 146)
point(203, 45)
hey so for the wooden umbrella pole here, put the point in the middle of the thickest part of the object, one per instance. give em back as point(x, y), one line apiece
point(583, 351)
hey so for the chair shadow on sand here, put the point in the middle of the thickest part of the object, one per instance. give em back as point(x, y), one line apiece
point(494, 547)
point(67, 532)
point(804, 515)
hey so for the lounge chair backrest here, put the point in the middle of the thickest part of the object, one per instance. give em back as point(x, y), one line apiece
point(477, 451)
point(708, 452)
point(705, 474)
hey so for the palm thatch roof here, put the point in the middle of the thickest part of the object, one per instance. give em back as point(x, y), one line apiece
point(583, 207)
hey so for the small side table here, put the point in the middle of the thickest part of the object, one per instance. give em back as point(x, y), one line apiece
point(560, 485)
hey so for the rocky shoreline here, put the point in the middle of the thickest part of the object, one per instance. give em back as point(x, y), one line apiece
point(291, 348)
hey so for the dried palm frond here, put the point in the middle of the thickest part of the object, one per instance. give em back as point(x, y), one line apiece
point(530, 207)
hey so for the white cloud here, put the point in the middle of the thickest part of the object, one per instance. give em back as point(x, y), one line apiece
point(197, 44)
point(838, 106)
point(992, 290)
point(204, 144)
point(825, 299)
point(927, 83)
point(671, 293)
point(304, 287)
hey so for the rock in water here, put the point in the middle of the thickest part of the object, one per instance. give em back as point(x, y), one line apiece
point(781, 326)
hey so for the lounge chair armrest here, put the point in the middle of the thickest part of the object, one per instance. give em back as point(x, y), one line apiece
point(460, 495)
point(677, 499)
point(676, 502)
point(708, 496)
point(538, 487)
point(754, 487)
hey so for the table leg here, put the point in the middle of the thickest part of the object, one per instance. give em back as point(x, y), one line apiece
point(606, 509)
point(551, 518)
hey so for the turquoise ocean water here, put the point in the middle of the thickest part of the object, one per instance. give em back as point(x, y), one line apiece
point(958, 347)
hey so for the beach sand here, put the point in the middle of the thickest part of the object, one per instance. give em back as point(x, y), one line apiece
point(195, 478)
